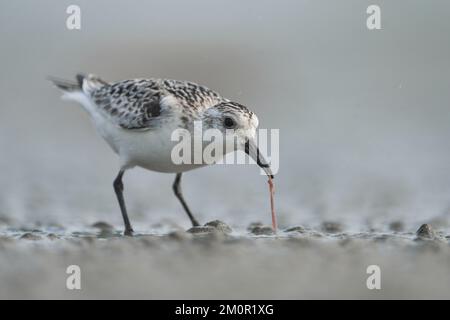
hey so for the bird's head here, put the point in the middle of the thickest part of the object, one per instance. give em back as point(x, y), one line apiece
point(238, 126)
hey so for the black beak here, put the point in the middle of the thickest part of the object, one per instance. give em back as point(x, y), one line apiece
point(252, 150)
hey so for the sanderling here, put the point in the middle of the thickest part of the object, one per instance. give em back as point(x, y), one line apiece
point(137, 118)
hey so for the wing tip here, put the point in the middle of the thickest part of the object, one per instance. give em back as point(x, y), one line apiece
point(82, 81)
point(63, 84)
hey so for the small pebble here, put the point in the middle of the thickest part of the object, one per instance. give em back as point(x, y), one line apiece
point(331, 227)
point(219, 226)
point(30, 236)
point(202, 230)
point(426, 232)
point(52, 236)
point(103, 226)
point(254, 225)
point(262, 230)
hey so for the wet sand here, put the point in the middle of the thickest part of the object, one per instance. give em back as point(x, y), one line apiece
point(214, 264)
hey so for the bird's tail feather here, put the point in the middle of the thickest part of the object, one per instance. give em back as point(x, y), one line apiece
point(67, 85)
point(83, 82)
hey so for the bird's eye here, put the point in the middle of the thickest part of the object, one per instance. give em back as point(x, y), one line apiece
point(229, 123)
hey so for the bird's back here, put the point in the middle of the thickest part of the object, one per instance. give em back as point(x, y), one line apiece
point(142, 104)
point(132, 115)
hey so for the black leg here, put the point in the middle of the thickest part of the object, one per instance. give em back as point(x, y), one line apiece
point(118, 188)
point(179, 194)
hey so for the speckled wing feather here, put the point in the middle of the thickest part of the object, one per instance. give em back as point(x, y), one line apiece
point(137, 104)
point(191, 95)
point(132, 104)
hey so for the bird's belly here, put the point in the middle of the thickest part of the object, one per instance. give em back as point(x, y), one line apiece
point(151, 150)
point(158, 157)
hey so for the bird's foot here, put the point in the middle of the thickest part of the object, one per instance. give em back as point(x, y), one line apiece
point(195, 223)
point(128, 232)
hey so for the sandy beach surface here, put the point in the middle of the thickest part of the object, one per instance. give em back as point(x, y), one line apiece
point(212, 264)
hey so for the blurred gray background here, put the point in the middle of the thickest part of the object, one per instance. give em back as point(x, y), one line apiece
point(364, 116)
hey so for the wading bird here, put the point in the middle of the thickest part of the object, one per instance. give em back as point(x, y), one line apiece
point(137, 118)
